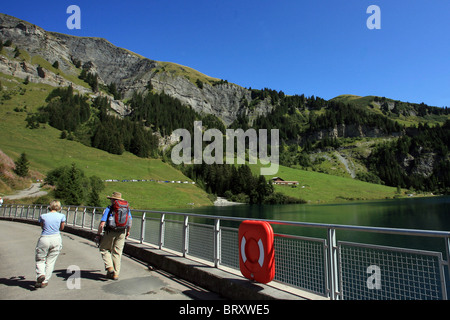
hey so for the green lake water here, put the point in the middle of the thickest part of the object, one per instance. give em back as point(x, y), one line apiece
point(428, 213)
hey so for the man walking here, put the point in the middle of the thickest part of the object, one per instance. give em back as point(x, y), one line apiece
point(116, 225)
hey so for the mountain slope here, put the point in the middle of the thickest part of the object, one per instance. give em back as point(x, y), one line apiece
point(405, 113)
point(128, 71)
point(338, 137)
point(46, 151)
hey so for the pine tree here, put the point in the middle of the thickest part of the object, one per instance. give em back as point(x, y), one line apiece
point(69, 186)
point(263, 189)
point(22, 165)
point(16, 52)
point(96, 186)
point(40, 71)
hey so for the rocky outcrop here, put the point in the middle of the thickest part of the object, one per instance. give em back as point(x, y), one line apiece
point(127, 70)
point(348, 131)
point(421, 164)
point(26, 70)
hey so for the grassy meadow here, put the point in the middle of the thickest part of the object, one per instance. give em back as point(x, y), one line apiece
point(316, 187)
point(46, 151)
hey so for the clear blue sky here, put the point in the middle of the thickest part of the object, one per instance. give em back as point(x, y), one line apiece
point(320, 48)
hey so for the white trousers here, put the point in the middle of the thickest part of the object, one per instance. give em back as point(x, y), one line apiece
point(47, 251)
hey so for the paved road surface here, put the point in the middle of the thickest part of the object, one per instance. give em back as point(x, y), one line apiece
point(137, 282)
point(33, 191)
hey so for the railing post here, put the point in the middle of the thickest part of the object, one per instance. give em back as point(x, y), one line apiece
point(447, 251)
point(216, 243)
point(185, 235)
point(75, 216)
point(93, 219)
point(84, 215)
point(142, 228)
point(161, 231)
point(67, 214)
point(333, 279)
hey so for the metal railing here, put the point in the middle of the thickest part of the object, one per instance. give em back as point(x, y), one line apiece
point(320, 264)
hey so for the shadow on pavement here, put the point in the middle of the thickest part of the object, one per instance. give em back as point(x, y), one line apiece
point(96, 275)
point(19, 281)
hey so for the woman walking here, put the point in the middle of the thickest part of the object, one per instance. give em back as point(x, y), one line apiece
point(49, 244)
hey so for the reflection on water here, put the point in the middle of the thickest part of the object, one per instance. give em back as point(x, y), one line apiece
point(412, 213)
point(415, 213)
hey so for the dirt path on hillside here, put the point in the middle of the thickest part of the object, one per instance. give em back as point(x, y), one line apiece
point(31, 192)
point(345, 162)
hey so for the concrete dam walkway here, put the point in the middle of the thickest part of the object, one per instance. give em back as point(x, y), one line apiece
point(137, 280)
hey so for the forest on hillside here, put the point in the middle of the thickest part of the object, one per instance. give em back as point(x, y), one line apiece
point(96, 125)
point(236, 183)
point(429, 145)
point(296, 117)
point(92, 124)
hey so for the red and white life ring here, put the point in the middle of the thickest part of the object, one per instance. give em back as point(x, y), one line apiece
point(256, 251)
point(252, 260)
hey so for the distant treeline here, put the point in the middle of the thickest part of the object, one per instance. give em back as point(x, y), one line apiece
point(289, 117)
point(297, 118)
point(405, 108)
point(93, 125)
point(294, 124)
point(165, 114)
point(428, 146)
point(338, 113)
point(236, 183)
point(285, 116)
point(96, 126)
point(64, 110)
point(116, 135)
point(73, 187)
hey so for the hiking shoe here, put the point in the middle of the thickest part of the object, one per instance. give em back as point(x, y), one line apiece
point(39, 281)
point(110, 273)
point(44, 284)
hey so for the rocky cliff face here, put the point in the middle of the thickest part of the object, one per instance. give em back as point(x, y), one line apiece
point(347, 131)
point(128, 71)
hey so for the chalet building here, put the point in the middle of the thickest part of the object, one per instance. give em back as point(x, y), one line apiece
point(278, 180)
